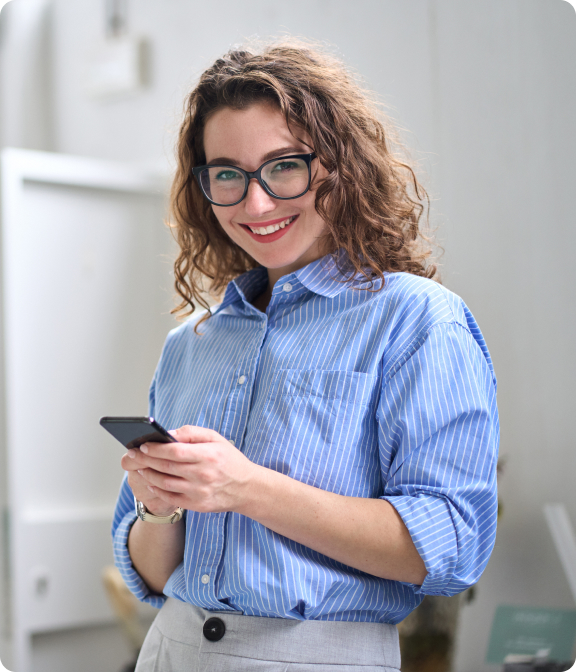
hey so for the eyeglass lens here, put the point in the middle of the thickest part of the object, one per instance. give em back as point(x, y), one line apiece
point(285, 178)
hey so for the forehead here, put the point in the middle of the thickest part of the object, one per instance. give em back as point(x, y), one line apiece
point(249, 134)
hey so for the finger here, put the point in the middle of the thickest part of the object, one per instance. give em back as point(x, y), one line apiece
point(172, 498)
point(138, 484)
point(142, 489)
point(161, 465)
point(159, 480)
point(149, 495)
point(194, 434)
point(177, 452)
point(132, 460)
point(128, 461)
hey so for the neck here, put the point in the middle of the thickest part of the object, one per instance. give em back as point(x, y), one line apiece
point(274, 274)
point(261, 302)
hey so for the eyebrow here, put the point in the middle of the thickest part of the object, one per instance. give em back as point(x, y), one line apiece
point(284, 151)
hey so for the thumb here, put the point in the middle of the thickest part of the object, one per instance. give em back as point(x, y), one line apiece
point(193, 434)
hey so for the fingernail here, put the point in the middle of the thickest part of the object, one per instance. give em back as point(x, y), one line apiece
point(144, 448)
point(132, 453)
point(150, 488)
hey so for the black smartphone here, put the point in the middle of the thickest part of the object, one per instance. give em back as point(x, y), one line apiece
point(133, 432)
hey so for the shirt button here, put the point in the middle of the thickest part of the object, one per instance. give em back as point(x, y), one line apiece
point(287, 287)
point(205, 579)
point(231, 441)
point(241, 380)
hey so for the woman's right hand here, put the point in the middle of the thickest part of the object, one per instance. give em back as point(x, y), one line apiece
point(130, 463)
point(155, 550)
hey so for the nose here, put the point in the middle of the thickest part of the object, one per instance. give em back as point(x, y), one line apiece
point(258, 202)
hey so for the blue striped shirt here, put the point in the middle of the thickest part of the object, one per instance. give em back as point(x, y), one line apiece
point(387, 394)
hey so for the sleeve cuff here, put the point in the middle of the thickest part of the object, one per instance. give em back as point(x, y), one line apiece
point(429, 522)
point(123, 561)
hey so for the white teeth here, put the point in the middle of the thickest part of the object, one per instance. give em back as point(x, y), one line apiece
point(266, 230)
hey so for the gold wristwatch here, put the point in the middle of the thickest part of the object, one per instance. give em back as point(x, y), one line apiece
point(145, 515)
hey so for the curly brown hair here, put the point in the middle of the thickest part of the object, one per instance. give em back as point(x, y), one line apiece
point(371, 200)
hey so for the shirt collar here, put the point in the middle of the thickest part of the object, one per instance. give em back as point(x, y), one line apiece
point(245, 288)
point(322, 277)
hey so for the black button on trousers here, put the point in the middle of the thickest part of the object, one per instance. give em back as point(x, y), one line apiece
point(214, 629)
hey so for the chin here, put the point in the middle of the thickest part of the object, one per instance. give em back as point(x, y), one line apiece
point(281, 260)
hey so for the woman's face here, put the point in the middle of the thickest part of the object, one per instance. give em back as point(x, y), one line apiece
point(247, 138)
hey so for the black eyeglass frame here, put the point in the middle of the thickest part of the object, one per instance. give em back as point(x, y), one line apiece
point(257, 174)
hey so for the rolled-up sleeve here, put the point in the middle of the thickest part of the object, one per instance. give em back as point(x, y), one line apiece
point(124, 518)
point(438, 437)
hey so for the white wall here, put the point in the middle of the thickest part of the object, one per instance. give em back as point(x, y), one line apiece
point(26, 75)
point(25, 121)
point(487, 91)
point(507, 83)
point(374, 36)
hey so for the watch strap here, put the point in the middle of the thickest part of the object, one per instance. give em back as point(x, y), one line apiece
point(148, 517)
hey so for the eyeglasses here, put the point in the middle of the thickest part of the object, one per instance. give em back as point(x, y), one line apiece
point(284, 178)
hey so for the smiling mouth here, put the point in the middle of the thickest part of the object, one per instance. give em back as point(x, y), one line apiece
point(272, 228)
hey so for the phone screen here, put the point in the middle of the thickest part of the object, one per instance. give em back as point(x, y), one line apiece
point(133, 432)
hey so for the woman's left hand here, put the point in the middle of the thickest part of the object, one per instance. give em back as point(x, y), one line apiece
point(201, 472)
point(204, 472)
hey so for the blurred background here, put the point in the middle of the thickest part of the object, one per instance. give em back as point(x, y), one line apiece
point(91, 93)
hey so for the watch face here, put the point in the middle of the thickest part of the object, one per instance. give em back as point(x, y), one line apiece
point(141, 509)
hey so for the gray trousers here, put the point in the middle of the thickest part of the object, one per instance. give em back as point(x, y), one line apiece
point(177, 642)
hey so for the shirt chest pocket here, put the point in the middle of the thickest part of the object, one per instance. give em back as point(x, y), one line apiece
point(317, 427)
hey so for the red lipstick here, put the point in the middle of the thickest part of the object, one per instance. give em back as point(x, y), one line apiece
point(269, 237)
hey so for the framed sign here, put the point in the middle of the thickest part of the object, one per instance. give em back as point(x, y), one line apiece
point(532, 631)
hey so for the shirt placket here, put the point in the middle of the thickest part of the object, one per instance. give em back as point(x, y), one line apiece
point(237, 405)
point(233, 427)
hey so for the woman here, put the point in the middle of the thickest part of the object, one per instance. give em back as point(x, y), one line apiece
point(336, 415)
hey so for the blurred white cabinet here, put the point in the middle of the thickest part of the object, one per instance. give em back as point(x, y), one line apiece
point(86, 290)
